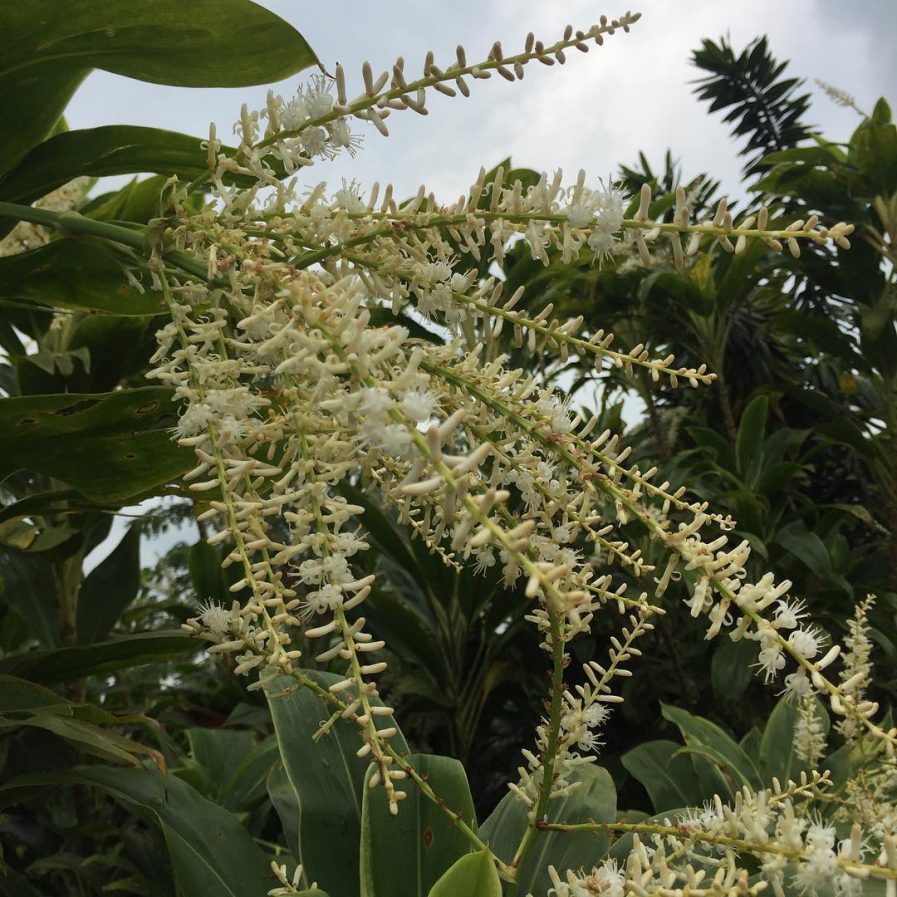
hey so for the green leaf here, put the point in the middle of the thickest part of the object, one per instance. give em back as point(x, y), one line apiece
point(38, 504)
point(873, 150)
point(404, 855)
point(777, 744)
point(109, 446)
point(667, 774)
point(749, 440)
point(212, 854)
point(206, 574)
point(881, 114)
point(282, 796)
point(473, 875)
point(20, 694)
point(84, 736)
point(234, 766)
point(12, 884)
point(327, 778)
point(595, 800)
point(708, 739)
point(807, 547)
point(50, 45)
point(730, 669)
point(109, 588)
point(100, 658)
point(105, 151)
point(72, 274)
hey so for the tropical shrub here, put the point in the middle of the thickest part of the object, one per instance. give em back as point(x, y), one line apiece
point(292, 359)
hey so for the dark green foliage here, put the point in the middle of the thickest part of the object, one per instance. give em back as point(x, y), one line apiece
point(763, 107)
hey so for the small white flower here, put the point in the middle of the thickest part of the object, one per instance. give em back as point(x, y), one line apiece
point(217, 619)
point(194, 419)
point(418, 405)
point(806, 642)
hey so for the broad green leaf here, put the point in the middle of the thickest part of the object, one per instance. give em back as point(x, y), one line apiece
point(777, 744)
point(212, 854)
point(50, 45)
point(12, 884)
point(44, 92)
point(29, 590)
point(749, 440)
point(283, 798)
point(109, 588)
point(209, 581)
point(709, 740)
point(109, 446)
point(25, 704)
point(233, 765)
point(105, 151)
point(873, 150)
point(806, 546)
point(750, 744)
point(473, 875)
point(595, 800)
point(100, 658)
point(327, 778)
point(667, 774)
point(88, 738)
point(20, 694)
point(730, 668)
point(71, 274)
point(404, 855)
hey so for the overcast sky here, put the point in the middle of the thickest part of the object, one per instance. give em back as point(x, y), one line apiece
point(594, 113)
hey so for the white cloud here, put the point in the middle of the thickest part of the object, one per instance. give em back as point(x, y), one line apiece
point(595, 112)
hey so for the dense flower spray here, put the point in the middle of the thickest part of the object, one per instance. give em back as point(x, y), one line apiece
point(292, 353)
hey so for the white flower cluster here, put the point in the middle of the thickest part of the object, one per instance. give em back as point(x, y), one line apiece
point(294, 383)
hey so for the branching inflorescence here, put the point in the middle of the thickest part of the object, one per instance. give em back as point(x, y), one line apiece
point(290, 389)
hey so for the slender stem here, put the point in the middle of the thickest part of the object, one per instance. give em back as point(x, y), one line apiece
point(400, 223)
point(683, 833)
point(134, 237)
point(549, 756)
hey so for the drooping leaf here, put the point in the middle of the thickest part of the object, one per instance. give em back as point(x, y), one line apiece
point(109, 446)
point(100, 658)
point(667, 774)
point(212, 854)
point(40, 503)
point(595, 800)
point(109, 588)
point(730, 669)
point(286, 805)
point(50, 45)
point(105, 151)
point(20, 694)
point(473, 875)
point(806, 546)
point(209, 581)
point(71, 274)
point(709, 740)
point(404, 855)
point(327, 778)
point(749, 441)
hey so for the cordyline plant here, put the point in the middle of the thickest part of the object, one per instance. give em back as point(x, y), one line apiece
point(294, 383)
